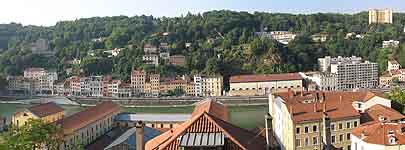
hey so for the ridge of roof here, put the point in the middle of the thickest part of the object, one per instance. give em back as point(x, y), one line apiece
point(45, 109)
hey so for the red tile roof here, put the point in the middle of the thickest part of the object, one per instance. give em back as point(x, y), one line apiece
point(338, 105)
point(265, 77)
point(380, 132)
point(46, 109)
point(213, 107)
point(88, 116)
point(203, 121)
point(374, 112)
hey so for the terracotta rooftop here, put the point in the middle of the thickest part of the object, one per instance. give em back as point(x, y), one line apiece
point(203, 121)
point(46, 109)
point(395, 72)
point(375, 112)
point(88, 116)
point(265, 77)
point(213, 107)
point(338, 105)
point(380, 132)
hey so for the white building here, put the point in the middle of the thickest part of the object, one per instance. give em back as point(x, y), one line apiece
point(283, 37)
point(393, 65)
point(96, 86)
point(351, 72)
point(152, 59)
point(327, 81)
point(390, 44)
point(381, 135)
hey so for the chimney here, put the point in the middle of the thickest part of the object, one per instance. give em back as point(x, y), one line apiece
point(315, 107)
point(290, 93)
point(139, 136)
point(340, 99)
point(322, 97)
point(269, 130)
point(302, 91)
point(324, 108)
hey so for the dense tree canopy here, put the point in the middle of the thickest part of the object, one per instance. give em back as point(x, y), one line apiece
point(222, 42)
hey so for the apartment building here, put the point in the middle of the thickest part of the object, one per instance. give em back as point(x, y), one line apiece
point(19, 84)
point(319, 120)
point(46, 79)
point(380, 16)
point(86, 126)
point(154, 80)
point(34, 73)
point(208, 85)
point(138, 79)
point(151, 59)
point(48, 113)
point(351, 72)
point(327, 81)
point(208, 128)
point(250, 85)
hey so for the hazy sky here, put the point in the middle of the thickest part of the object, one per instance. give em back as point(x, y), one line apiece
point(48, 12)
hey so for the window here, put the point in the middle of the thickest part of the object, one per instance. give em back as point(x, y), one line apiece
point(332, 127)
point(298, 142)
point(341, 138)
point(340, 126)
point(348, 147)
point(315, 140)
point(306, 130)
point(333, 139)
point(298, 131)
point(348, 136)
point(355, 124)
point(306, 141)
point(314, 128)
point(348, 125)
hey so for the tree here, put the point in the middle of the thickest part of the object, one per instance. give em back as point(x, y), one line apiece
point(35, 134)
point(398, 98)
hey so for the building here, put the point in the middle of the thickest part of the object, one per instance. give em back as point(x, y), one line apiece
point(151, 59)
point(249, 85)
point(86, 126)
point(393, 65)
point(283, 37)
point(45, 79)
point(125, 138)
point(208, 85)
point(209, 119)
point(318, 120)
point(21, 85)
point(320, 37)
point(149, 49)
point(154, 80)
point(327, 81)
point(177, 60)
point(379, 135)
point(34, 73)
point(164, 55)
point(138, 79)
point(124, 90)
point(379, 16)
point(351, 72)
point(162, 122)
point(48, 113)
point(390, 44)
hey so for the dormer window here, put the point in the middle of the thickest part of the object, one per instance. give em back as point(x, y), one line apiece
point(381, 118)
point(392, 140)
point(403, 130)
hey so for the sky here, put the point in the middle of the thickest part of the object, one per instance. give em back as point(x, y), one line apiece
point(48, 12)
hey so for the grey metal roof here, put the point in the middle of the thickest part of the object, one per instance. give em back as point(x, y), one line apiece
point(130, 138)
point(153, 117)
point(202, 139)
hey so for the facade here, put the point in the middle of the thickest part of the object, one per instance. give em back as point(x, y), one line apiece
point(250, 85)
point(390, 44)
point(48, 113)
point(209, 119)
point(316, 120)
point(380, 16)
point(19, 84)
point(208, 85)
point(177, 60)
point(164, 55)
point(86, 126)
point(152, 59)
point(351, 72)
point(124, 90)
point(154, 80)
point(185, 85)
point(34, 73)
point(320, 37)
point(393, 65)
point(283, 37)
point(44, 79)
point(327, 81)
point(148, 48)
point(138, 79)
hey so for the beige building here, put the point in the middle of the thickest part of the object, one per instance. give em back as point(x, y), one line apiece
point(48, 113)
point(380, 16)
point(316, 120)
point(249, 85)
point(393, 65)
point(208, 85)
point(86, 126)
